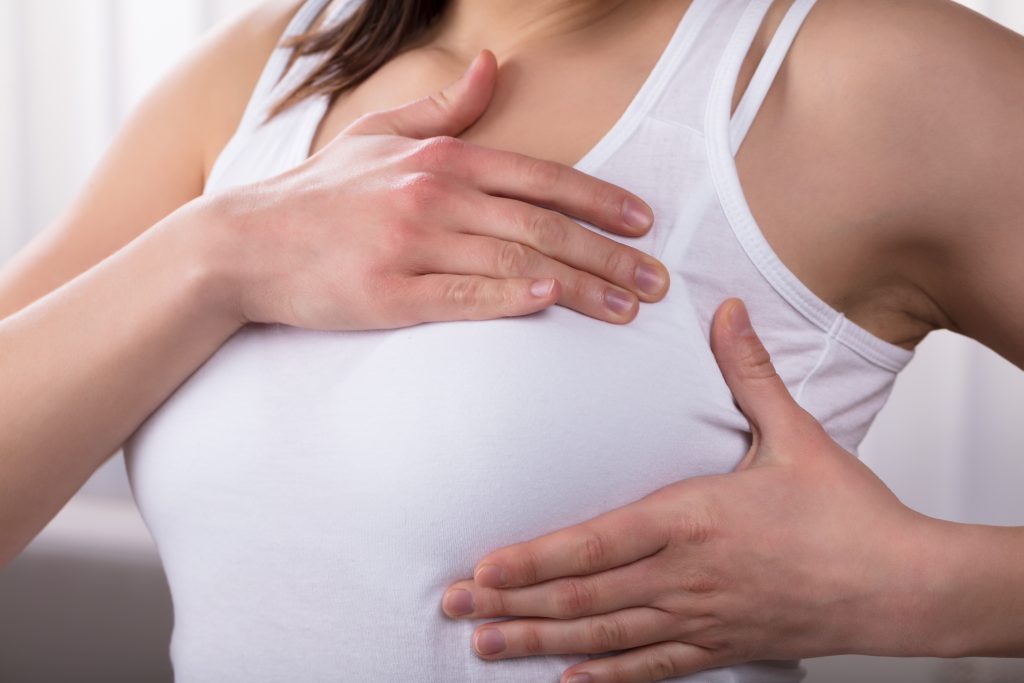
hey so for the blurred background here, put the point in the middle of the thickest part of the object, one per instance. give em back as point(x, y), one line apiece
point(88, 601)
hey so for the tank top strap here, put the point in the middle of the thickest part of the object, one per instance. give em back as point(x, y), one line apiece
point(273, 81)
point(685, 93)
point(766, 71)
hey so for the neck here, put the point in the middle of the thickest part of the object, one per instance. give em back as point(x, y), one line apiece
point(505, 26)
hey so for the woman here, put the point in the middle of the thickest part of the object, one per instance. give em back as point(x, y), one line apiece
point(318, 480)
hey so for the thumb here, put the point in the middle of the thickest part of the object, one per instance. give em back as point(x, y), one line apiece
point(747, 367)
point(446, 112)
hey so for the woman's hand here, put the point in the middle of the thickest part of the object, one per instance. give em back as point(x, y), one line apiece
point(801, 552)
point(396, 222)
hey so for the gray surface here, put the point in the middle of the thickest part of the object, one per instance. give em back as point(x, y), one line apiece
point(86, 602)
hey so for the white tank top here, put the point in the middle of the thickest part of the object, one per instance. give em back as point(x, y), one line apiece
point(312, 494)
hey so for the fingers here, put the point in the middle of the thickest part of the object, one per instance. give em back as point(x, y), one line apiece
point(614, 538)
point(554, 186)
point(560, 237)
point(632, 585)
point(645, 664)
point(445, 113)
point(604, 633)
point(504, 238)
point(581, 291)
point(747, 368)
point(442, 298)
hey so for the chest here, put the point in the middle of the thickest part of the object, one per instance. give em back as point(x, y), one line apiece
point(554, 98)
point(544, 419)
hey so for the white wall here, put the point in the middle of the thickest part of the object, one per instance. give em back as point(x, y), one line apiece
point(72, 69)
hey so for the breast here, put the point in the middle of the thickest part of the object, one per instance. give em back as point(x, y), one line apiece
point(308, 489)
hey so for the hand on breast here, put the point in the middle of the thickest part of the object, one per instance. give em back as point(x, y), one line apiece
point(396, 222)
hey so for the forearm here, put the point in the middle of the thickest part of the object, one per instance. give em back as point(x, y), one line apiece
point(942, 589)
point(82, 367)
point(983, 614)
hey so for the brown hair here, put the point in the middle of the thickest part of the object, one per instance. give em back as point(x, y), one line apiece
point(359, 46)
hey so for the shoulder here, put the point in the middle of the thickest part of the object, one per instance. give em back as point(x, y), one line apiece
point(907, 115)
point(227, 63)
point(908, 55)
point(941, 92)
point(928, 89)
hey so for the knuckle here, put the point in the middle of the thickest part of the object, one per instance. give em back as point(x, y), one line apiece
point(618, 671)
point(544, 229)
point(755, 360)
point(531, 641)
point(608, 198)
point(574, 599)
point(488, 602)
point(464, 293)
point(528, 570)
point(658, 665)
point(440, 100)
point(438, 151)
point(592, 553)
point(514, 258)
point(584, 288)
point(543, 175)
point(605, 634)
point(420, 190)
point(698, 529)
point(617, 261)
point(695, 522)
point(497, 602)
point(699, 581)
point(508, 298)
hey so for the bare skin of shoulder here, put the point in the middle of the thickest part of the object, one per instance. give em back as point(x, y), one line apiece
point(884, 168)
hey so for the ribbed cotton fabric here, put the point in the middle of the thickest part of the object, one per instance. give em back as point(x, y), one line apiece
point(313, 493)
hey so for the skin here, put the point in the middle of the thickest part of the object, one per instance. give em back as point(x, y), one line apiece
point(901, 206)
point(865, 78)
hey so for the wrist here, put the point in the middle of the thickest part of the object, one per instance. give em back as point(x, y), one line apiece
point(933, 577)
point(982, 607)
point(954, 590)
point(206, 230)
point(901, 607)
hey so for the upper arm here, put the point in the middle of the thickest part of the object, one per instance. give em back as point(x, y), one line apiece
point(908, 133)
point(958, 108)
point(157, 161)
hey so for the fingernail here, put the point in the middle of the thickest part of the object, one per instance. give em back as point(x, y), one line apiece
point(739, 321)
point(617, 301)
point(541, 288)
point(490, 641)
point(636, 215)
point(649, 279)
point(490, 576)
point(580, 678)
point(458, 602)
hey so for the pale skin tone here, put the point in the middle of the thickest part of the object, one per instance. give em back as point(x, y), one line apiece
point(884, 168)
